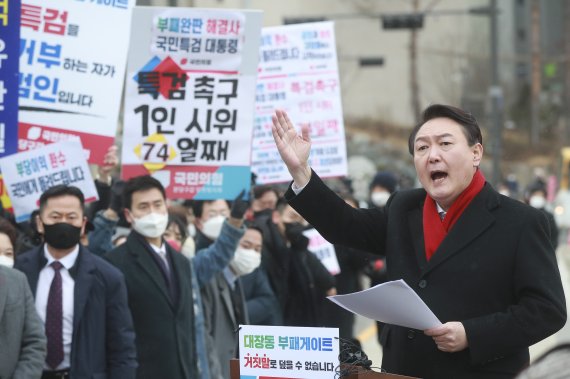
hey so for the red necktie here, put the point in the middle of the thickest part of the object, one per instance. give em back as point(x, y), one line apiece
point(54, 319)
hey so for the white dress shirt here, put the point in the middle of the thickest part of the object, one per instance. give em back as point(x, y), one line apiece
point(68, 288)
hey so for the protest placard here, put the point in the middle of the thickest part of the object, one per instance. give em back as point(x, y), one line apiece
point(189, 99)
point(72, 66)
point(298, 72)
point(9, 60)
point(288, 352)
point(324, 250)
point(28, 174)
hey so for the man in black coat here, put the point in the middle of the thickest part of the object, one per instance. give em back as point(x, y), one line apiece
point(81, 298)
point(159, 283)
point(482, 262)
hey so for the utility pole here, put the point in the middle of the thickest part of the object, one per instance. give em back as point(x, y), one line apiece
point(414, 82)
point(535, 72)
point(566, 132)
point(496, 94)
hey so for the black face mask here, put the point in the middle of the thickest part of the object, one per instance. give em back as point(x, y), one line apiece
point(62, 235)
point(262, 214)
point(294, 233)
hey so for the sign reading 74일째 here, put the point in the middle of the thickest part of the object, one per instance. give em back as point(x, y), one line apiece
point(189, 100)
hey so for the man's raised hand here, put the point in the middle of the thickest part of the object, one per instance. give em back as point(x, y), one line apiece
point(293, 148)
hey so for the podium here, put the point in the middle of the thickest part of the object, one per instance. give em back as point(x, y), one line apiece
point(364, 374)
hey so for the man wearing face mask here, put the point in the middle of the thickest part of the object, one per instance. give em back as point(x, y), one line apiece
point(230, 296)
point(209, 218)
point(309, 282)
point(536, 197)
point(163, 285)
point(81, 299)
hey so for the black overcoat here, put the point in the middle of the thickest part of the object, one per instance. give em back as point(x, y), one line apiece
point(496, 272)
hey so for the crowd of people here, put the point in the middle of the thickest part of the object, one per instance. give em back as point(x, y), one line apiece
point(137, 285)
point(151, 287)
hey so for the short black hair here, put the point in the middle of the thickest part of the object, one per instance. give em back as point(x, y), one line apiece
point(62, 190)
point(465, 119)
point(198, 206)
point(253, 225)
point(259, 191)
point(140, 183)
point(178, 221)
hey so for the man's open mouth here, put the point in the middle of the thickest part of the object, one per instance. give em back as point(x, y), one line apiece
point(438, 175)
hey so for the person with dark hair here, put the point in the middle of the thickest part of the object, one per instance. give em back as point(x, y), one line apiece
point(81, 298)
point(240, 292)
point(176, 232)
point(381, 187)
point(264, 197)
point(163, 285)
point(8, 237)
point(482, 262)
point(308, 282)
point(209, 216)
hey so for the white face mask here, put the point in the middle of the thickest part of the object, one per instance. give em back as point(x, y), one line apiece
point(379, 198)
point(153, 225)
point(213, 226)
point(6, 261)
point(191, 230)
point(189, 248)
point(245, 261)
point(537, 201)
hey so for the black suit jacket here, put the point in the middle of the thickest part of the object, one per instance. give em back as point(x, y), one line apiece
point(103, 341)
point(164, 328)
point(496, 272)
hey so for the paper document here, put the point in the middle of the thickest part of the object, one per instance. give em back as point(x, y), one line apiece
point(391, 302)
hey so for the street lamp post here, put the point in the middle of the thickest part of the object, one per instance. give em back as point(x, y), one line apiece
point(495, 89)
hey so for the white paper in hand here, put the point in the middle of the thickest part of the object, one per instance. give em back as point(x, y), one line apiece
point(392, 303)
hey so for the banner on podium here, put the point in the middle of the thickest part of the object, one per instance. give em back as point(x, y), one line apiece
point(279, 352)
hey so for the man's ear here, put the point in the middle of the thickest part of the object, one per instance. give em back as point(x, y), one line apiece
point(83, 225)
point(198, 222)
point(127, 215)
point(39, 224)
point(477, 154)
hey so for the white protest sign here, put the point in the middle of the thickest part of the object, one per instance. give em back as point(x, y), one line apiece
point(28, 174)
point(298, 72)
point(189, 100)
point(72, 67)
point(288, 352)
point(324, 250)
